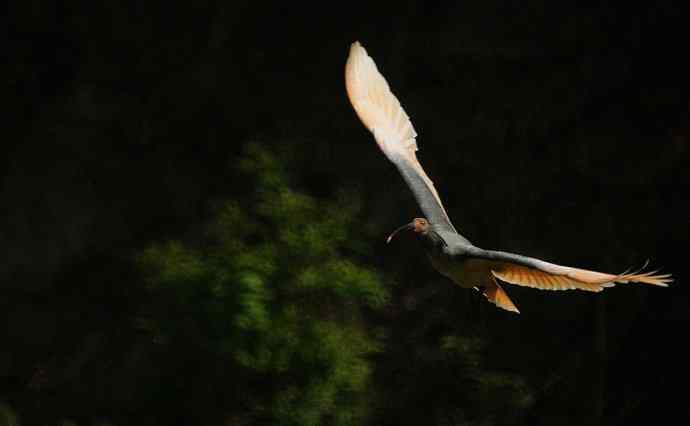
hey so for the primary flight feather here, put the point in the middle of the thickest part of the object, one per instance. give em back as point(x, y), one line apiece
point(451, 253)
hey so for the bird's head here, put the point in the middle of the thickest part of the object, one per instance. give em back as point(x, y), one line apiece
point(419, 225)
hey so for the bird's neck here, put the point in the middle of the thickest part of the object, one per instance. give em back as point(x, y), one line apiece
point(431, 240)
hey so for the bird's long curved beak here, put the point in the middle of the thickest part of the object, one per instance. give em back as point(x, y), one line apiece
point(402, 228)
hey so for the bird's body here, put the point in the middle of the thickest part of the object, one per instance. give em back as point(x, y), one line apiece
point(450, 253)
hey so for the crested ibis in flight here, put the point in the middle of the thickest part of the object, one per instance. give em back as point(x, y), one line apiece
point(450, 253)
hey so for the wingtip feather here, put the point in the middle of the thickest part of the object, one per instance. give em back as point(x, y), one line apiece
point(652, 277)
point(375, 104)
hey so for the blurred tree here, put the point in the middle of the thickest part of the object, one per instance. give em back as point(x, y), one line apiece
point(7, 416)
point(262, 320)
point(438, 367)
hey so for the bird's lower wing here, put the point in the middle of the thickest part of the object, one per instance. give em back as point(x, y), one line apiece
point(535, 273)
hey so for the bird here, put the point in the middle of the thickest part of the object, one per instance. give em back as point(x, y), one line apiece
point(451, 254)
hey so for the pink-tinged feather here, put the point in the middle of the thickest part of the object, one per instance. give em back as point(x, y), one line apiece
point(565, 278)
point(381, 113)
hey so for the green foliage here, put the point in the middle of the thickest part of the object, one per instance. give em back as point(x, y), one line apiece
point(443, 377)
point(7, 416)
point(497, 397)
point(270, 293)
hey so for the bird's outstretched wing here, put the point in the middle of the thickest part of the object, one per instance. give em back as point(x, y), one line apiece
point(530, 272)
point(382, 114)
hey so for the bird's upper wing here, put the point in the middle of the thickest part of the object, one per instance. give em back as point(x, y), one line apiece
point(382, 114)
point(531, 272)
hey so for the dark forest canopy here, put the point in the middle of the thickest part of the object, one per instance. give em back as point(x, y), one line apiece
point(129, 133)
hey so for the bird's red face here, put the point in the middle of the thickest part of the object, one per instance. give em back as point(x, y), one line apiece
point(419, 225)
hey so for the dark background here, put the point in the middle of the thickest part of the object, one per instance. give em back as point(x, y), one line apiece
point(555, 131)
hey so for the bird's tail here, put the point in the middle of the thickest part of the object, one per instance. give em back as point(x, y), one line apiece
point(496, 295)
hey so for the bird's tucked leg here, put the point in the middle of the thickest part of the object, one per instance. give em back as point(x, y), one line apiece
point(496, 295)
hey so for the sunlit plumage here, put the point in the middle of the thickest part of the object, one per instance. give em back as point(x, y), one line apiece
point(450, 253)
